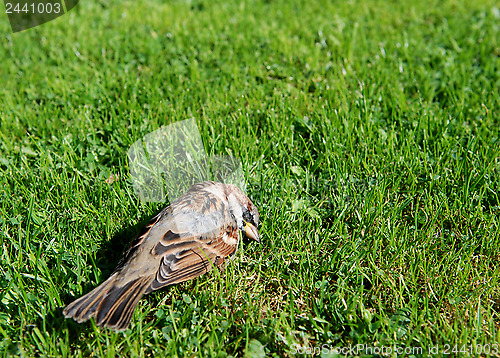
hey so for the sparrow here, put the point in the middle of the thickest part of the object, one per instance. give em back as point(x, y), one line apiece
point(197, 232)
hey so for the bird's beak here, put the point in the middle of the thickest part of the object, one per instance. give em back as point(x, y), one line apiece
point(251, 231)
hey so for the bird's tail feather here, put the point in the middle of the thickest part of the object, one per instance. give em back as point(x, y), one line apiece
point(112, 306)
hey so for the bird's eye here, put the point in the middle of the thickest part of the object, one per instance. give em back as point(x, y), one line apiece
point(248, 217)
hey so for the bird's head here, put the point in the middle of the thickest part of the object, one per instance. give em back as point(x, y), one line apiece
point(244, 211)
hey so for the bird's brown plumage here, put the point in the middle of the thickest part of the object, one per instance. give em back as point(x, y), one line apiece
point(188, 238)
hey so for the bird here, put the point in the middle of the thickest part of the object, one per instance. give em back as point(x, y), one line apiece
point(197, 232)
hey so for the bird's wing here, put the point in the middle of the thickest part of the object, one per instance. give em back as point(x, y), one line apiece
point(192, 256)
point(201, 234)
point(182, 242)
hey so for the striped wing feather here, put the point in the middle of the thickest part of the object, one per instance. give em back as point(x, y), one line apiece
point(193, 259)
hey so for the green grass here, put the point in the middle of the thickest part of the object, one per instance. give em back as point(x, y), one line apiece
point(369, 133)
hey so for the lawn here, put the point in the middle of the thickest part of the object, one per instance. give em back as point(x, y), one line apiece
point(369, 133)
